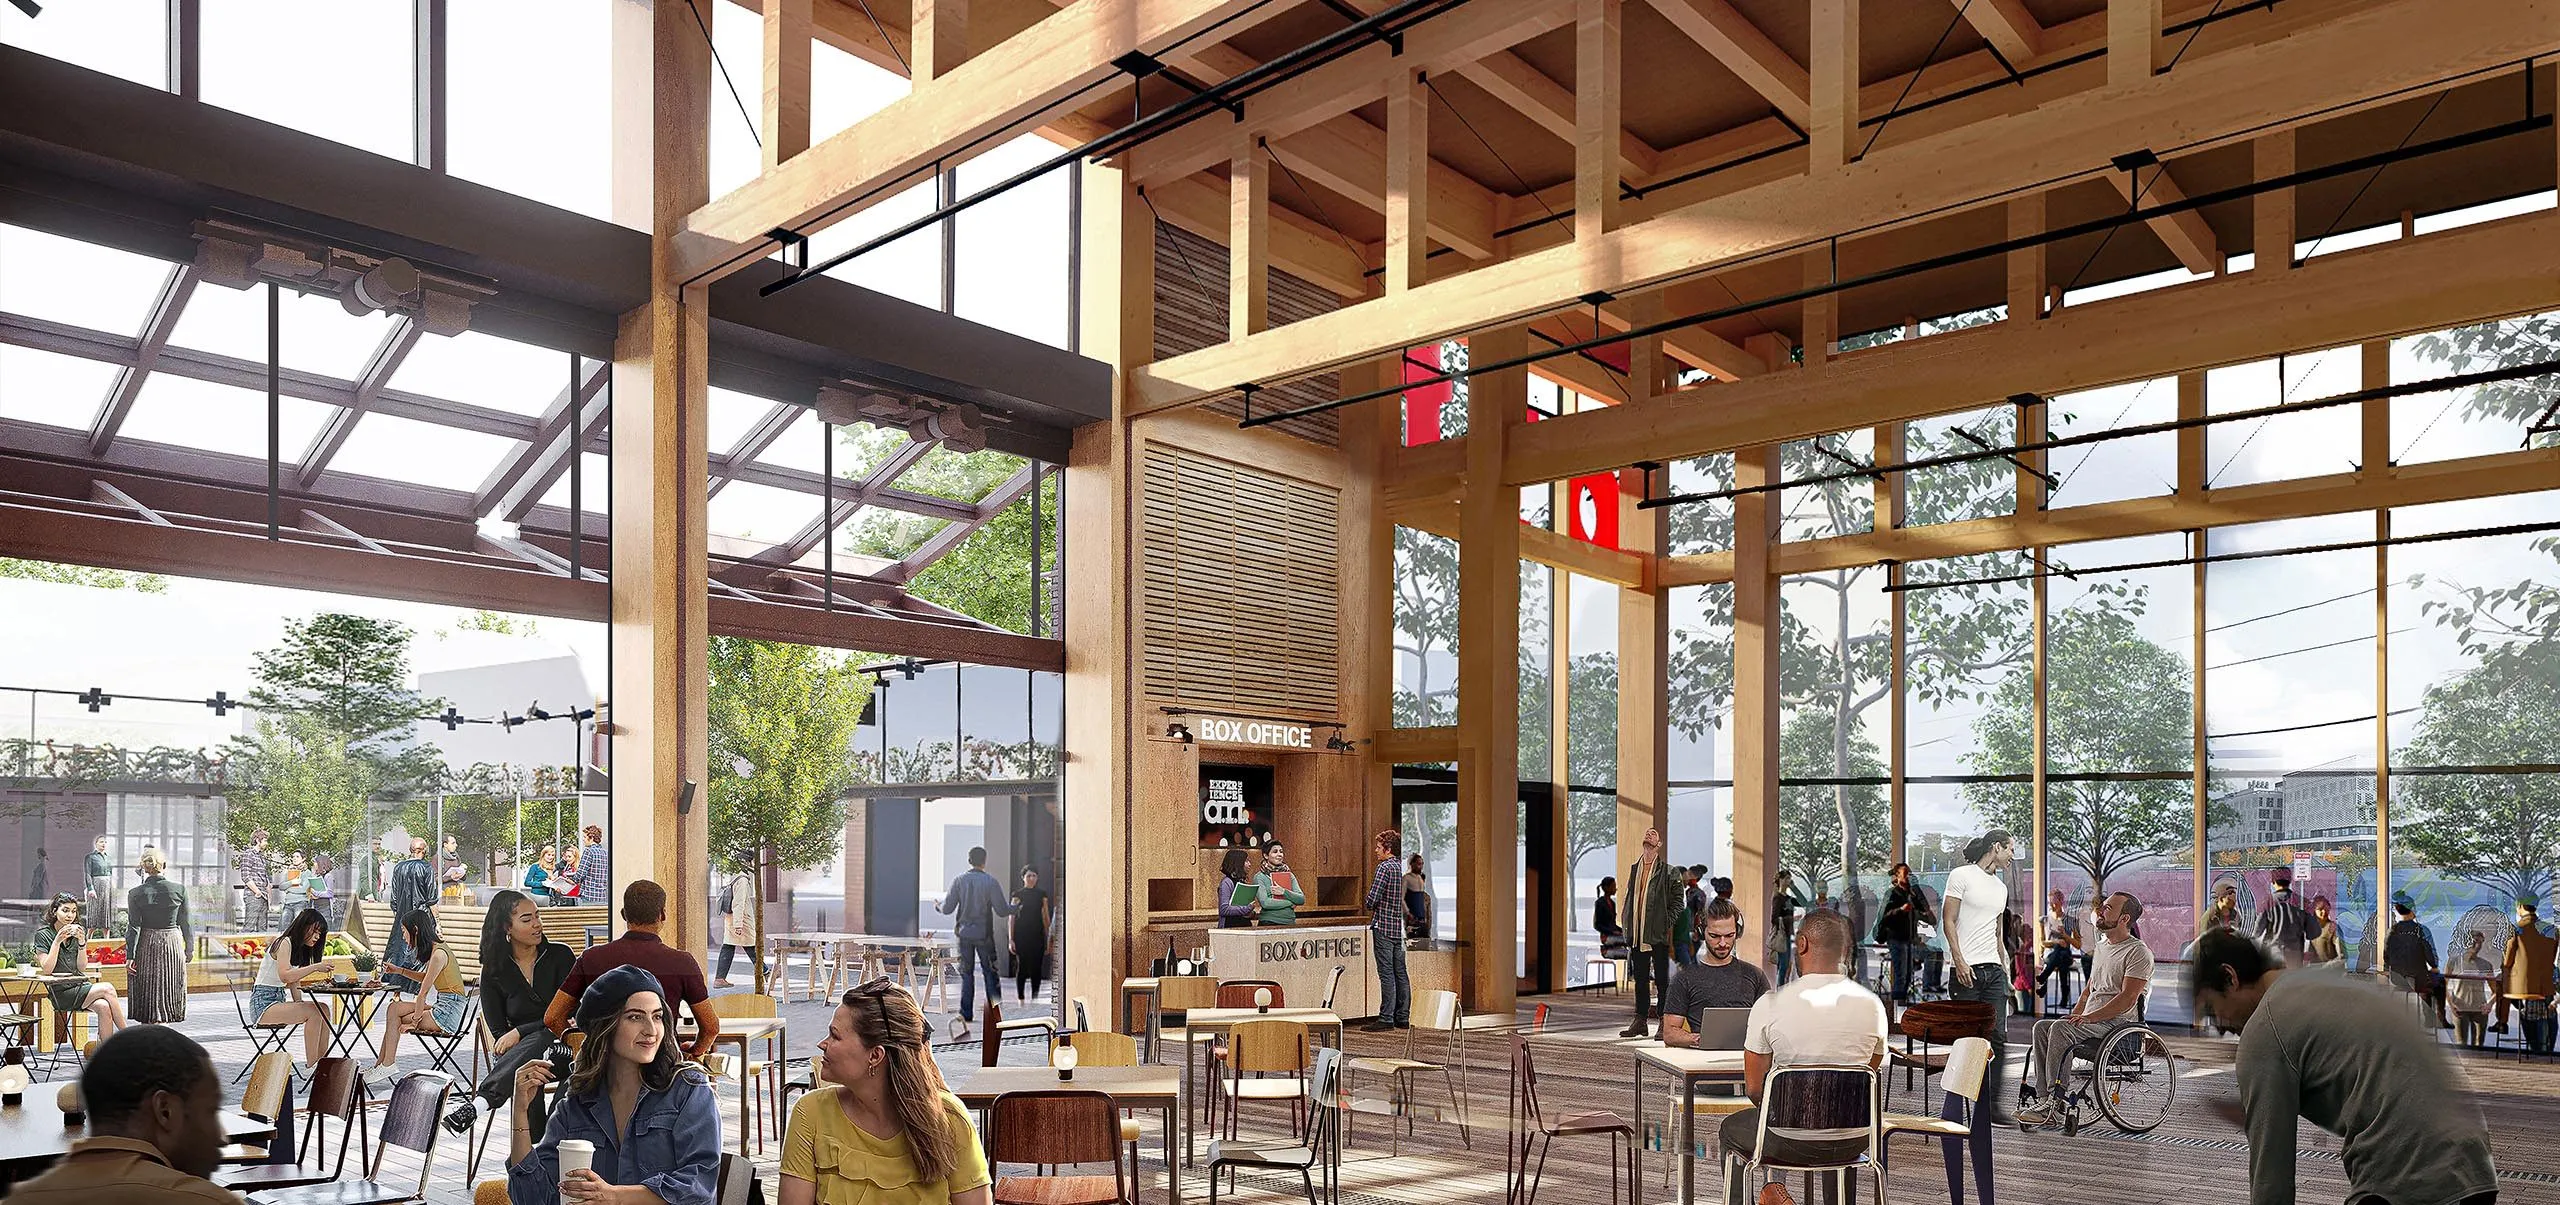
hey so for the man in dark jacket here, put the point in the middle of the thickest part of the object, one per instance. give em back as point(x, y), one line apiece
point(973, 903)
point(1652, 901)
point(2284, 923)
point(2409, 954)
point(413, 886)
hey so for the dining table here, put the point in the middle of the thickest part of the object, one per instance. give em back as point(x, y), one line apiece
point(1220, 1020)
point(740, 1031)
point(825, 948)
point(348, 1008)
point(1148, 1087)
point(24, 1001)
point(1689, 1067)
point(34, 1133)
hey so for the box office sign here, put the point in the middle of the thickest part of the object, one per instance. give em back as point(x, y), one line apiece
point(1235, 806)
point(1347, 947)
point(1261, 734)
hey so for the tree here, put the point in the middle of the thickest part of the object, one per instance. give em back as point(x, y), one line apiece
point(303, 784)
point(1426, 621)
point(781, 733)
point(487, 808)
point(497, 622)
point(2500, 831)
point(83, 575)
point(2491, 345)
point(351, 673)
point(988, 575)
point(2115, 702)
point(1591, 755)
point(1809, 817)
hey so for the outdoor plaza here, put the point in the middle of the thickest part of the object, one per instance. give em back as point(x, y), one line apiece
point(1363, 600)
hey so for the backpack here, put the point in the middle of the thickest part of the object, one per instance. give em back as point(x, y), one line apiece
point(729, 897)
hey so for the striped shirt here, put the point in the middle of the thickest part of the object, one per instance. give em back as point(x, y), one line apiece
point(1386, 900)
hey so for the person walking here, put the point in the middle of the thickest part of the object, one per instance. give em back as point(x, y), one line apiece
point(2283, 923)
point(2224, 911)
point(1278, 892)
point(101, 877)
point(2341, 1055)
point(2409, 956)
point(1417, 897)
point(1784, 902)
point(1651, 900)
point(737, 924)
point(324, 892)
point(157, 937)
point(974, 902)
point(257, 872)
point(413, 886)
point(1030, 945)
point(1975, 902)
point(2062, 944)
point(2525, 977)
point(1905, 910)
point(1386, 933)
point(373, 872)
point(2122, 972)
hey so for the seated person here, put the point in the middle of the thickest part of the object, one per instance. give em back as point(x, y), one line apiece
point(438, 1008)
point(292, 960)
point(520, 970)
point(155, 1127)
point(651, 1116)
point(2117, 980)
point(62, 948)
point(644, 909)
point(884, 1131)
point(2471, 994)
point(1820, 1017)
point(1716, 980)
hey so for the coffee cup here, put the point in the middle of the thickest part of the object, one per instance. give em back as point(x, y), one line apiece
point(576, 1155)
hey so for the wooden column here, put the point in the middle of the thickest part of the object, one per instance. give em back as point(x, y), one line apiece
point(1248, 238)
point(1822, 313)
point(1104, 905)
point(1834, 73)
point(939, 40)
point(1755, 692)
point(1372, 441)
point(1644, 625)
point(1598, 98)
point(2202, 783)
point(1408, 180)
point(2031, 487)
point(2133, 41)
point(2377, 457)
point(660, 599)
point(2026, 266)
point(786, 80)
point(1489, 680)
point(2271, 218)
point(2191, 439)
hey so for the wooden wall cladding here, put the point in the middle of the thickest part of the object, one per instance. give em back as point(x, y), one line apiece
point(1191, 313)
point(1239, 587)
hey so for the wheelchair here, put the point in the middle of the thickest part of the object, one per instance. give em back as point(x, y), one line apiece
point(2126, 1074)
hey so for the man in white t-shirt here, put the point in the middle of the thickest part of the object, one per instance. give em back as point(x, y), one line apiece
point(1975, 898)
point(1822, 1016)
point(2119, 976)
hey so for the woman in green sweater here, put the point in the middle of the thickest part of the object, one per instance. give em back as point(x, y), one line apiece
point(1281, 894)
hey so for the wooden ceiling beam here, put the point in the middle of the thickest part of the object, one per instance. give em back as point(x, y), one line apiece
point(2186, 233)
point(2387, 48)
point(2009, 27)
point(1512, 80)
point(1299, 246)
point(1722, 31)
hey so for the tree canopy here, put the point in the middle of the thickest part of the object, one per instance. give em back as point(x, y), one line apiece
point(302, 784)
point(782, 721)
point(350, 673)
point(82, 575)
point(2500, 831)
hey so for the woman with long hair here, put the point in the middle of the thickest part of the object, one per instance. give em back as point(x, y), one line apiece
point(649, 1114)
point(1604, 919)
point(157, 936)
point(438, 1008)
point(2325, 945)
point(1238, 900)
point(292, 959)
point(884, 1131)
point(537, 875)
point(62, 949)
point(520, 970)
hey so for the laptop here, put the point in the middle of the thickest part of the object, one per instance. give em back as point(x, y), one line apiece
point(1722, 1028)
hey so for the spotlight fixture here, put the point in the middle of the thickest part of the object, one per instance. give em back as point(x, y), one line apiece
point(1179, 731)
point(959, 426)
point(238, 253)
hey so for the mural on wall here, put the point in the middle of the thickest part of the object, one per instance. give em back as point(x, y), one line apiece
point(1235, 806)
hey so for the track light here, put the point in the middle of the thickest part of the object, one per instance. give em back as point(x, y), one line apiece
point(959, 426)
point(238, 253)
point(389, 283)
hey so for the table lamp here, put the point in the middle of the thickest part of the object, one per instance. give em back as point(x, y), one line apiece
point(1184, 967)
point(13, 1077)
point(69, 1100)
point(1064, 1059)
point(1262, 999)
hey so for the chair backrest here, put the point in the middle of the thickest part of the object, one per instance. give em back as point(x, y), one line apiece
point(1182, 993)
point(1324, 1080)
point(1965, 1066)
point(1238, 993)
point(743, 1006)
point(333, 1089)
point(1819, 1097)
point(1267, 1046)
point(1095, 1048)
point(1436, 1008)
point(1084, 1014)
point(1946, 1020)
point(1524, 1081)
point(269, 1075)
point(1332, 983)
point(409, 1123)
point(737, 1182)
point(1054, 1126)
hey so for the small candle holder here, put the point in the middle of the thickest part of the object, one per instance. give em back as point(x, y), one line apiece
point(74, 1114)
point(1262, 999)
point(13, 1077)
point(1064, 1059)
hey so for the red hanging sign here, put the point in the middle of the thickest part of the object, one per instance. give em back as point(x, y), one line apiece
point(1422, 403)
point(1591, 509)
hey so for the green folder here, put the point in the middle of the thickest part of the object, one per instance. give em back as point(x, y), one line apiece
point(1247, 893)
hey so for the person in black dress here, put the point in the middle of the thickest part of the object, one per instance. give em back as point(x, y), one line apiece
point(519, 973)
point(157, 936)
point(1030, 936)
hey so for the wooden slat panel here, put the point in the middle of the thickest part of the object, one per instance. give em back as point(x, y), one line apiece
point(1238, 585)
point(1191, 313)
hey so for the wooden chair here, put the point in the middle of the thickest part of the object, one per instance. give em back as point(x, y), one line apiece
point(270, 1075)
point(1322, 1148)
point(1266, 1060)
point(1817, 1097)
point(333, 1097)
point(997, 1027)
point(1538, 1135)
point(1083, 1013)
point(1435, 1010)
point(409, 1123)
point(1935, 1023)
point(764, 1076)
point(444, 1050)
point(1176, 996)
point(1056, 1128)
point(1966, 1063)
point(1238, 993)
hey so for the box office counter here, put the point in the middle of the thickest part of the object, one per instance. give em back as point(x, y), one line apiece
point(1301, 958)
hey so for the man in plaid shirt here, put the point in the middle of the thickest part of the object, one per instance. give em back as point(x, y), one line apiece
point(1386, 934)
point(595, 874)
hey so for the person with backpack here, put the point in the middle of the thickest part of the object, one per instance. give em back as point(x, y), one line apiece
point(737, 924)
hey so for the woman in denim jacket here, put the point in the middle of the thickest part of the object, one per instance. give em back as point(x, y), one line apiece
point(651, 1116)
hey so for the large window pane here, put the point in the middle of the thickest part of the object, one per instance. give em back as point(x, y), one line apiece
point(1701, 728)
point(1968, 700)
point(1537, 673)
point(116, 288)
point(1010, 251)
point(1702, 526)
point(1834, 662)
point(314, 332)
point(530, 111)
point(1426, 629)
point(128, 39)
point(2140, 466)
point(1973, 489)
point(2284, 446)
point(1832, 508)
point(344, 70)
point(2482, 419)
point(56, 390)
point(1591, 690)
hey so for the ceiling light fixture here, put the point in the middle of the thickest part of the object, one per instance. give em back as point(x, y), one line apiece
point(237, 253)
point(959, 426)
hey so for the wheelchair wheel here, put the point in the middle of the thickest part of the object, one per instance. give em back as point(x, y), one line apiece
point(2137, 1079)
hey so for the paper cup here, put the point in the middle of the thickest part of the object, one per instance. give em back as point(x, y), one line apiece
point(576, 1155)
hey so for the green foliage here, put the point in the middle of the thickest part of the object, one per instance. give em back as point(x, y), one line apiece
point(498, 622)
point(82, 575)
point(787, 712)
point(302, 784)
point(1426, 622)
point(1809, 817)
point(2500, 831)
point(351, 674)
point(482, 812)
point(988, 575)
point(2115, 701)
point(2491, 345)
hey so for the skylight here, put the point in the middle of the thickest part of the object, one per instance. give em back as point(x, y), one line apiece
point(56, 390)
point(115, 292)
point(400, 449)
point(188, 413)
point(317, 335)
point(484, 370)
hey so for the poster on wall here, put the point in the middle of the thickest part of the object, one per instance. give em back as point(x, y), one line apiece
point(1235, 806)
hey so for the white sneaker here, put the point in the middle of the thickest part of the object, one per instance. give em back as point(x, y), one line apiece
point(377, 1075)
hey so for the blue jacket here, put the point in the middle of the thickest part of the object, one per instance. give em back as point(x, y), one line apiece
point(977, 901)
point(674, 1147)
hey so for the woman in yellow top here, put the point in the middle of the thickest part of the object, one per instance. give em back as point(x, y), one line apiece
point(438, 1008)
point(884, 1131)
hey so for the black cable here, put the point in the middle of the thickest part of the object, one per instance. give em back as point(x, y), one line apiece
point(1185, 256)
point(1926, 62)
point(1489, 147)
point(885, 40)
point(716, 61)
point(1309, 194)
point(2473, 533)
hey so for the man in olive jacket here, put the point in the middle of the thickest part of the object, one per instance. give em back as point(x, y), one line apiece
point(1652, 903)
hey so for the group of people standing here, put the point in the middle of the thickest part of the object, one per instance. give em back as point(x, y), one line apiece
point(975, 903)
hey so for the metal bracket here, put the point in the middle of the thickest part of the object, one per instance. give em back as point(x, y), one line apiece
point(795, 248)
point(1248, 389)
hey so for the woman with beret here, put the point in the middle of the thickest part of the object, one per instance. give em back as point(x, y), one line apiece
point(649, 1114)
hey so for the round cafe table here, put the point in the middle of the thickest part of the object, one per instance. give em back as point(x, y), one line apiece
point(33, 1134)
point(348, 1013)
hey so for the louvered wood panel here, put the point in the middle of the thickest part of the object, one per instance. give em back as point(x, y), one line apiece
point(1191, 313)
point(1238, 587)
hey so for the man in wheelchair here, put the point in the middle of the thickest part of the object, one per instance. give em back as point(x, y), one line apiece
point(2118, 976)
